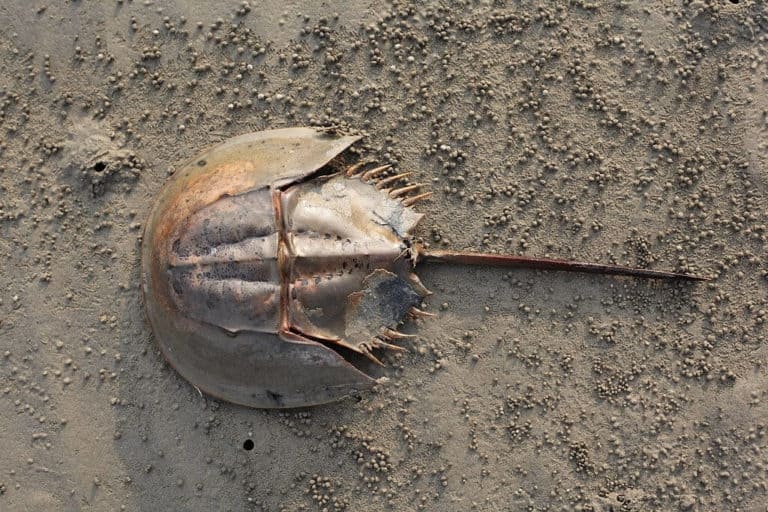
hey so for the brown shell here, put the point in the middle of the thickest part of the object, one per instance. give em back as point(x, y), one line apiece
point(262, 263)
point(254, 259)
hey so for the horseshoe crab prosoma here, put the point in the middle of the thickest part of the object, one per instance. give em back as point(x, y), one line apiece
point(263, 262)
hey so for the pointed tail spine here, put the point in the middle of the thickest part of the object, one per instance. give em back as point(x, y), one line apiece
point(511, 261)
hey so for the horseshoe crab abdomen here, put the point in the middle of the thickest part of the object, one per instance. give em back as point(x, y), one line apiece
point(338, 232)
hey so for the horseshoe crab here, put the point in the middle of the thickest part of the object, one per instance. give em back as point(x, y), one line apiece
point(264, 262)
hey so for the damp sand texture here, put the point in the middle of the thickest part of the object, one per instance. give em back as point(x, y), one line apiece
point(621, 132)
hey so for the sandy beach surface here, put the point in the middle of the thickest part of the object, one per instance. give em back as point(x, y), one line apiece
point(624, 131)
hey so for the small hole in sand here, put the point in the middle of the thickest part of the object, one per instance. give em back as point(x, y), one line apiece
point(248, 445)
point(99, 166)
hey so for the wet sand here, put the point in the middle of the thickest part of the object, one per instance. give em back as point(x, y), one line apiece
point(613, 132)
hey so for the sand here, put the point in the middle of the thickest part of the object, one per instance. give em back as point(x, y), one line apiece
point(628, 132)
